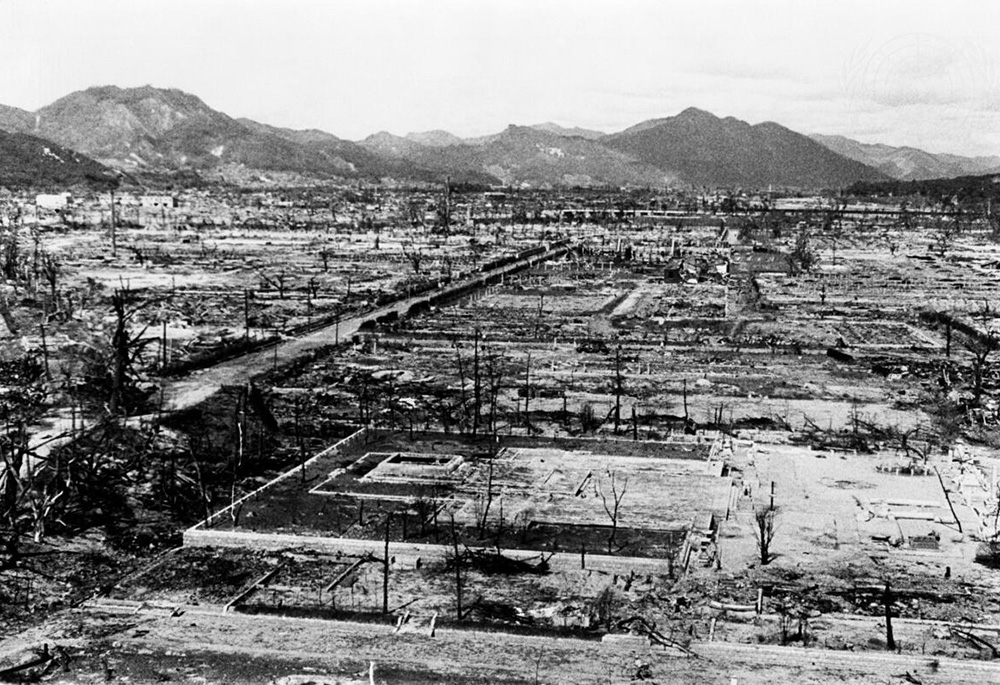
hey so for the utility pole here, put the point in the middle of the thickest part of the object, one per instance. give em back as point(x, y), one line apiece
point(446, 213)
point(476, 383)
point(114, 237)
point(385, 567)
point(890, 640)
point(618, 388)
point(246, 315)
point(458, 571)
point(45, 352)
point(527, 389)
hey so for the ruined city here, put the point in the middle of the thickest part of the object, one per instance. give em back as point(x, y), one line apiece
point(696, 401)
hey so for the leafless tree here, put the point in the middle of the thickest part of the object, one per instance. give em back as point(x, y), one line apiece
point(765, 528)
point(612, 502)
point(946, 230)
point(604, 606)
point(803, 257)
point(982, 344)
point(126, 348)
point(51, 269)
point(487, 497)
point(415, 256)
point(279, 281)
point(495, 372)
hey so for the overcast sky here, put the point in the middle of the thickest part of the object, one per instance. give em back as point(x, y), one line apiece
point(903, 73)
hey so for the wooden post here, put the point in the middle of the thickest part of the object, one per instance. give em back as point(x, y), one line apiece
point(527, 388)
point(685, 403)
point(114, 236)
point(458, 571)
point(947, 499)
point(890, 640)
point(385, 567)
point(246, 315)
point(45, 352)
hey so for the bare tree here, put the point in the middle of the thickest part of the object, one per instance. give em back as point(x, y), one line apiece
point(945, 232)
point(803, 257)
point(764, 530)
point(612, 504)
point(51, 269)
point(604, 606)
point(982, 344)
point(798, 607)
point(279, 281)
point(415, 256)
point(487, 498)
point(495, 371)
point(477, 385)
point(126, 348)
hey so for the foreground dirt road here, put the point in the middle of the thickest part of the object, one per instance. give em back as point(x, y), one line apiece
point(220, 648)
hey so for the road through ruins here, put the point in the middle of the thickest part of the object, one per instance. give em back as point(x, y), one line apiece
point(186, 392)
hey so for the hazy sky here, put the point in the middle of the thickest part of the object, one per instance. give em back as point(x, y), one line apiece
point(903, 73)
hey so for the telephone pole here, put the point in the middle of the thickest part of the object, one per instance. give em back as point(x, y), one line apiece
point(114, 237)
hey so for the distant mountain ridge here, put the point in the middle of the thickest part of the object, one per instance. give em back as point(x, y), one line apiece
point(149, 129)
point(909, 163)
point(27, 161)
point(435, 138)
point(523, 154)
point(573, 131)
point(137, 128)
point(16, 120)
point(706, 150)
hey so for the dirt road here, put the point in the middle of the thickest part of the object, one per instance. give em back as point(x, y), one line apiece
point(186, 392)
point(257, 649)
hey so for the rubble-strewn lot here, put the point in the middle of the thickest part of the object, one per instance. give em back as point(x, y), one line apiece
point(592, 446)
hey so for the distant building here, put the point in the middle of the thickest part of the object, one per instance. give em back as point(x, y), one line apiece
point(157, 201)
point(53, 201)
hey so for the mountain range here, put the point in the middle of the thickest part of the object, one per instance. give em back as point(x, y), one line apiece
point(151, 131)
point(706, 150)
point(909, 163)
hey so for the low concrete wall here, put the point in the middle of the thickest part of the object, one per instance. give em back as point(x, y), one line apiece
point(346, 443)
point(203, 535)
point(407, 553)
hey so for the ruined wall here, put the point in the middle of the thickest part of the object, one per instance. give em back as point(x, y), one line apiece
point(408, 553)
